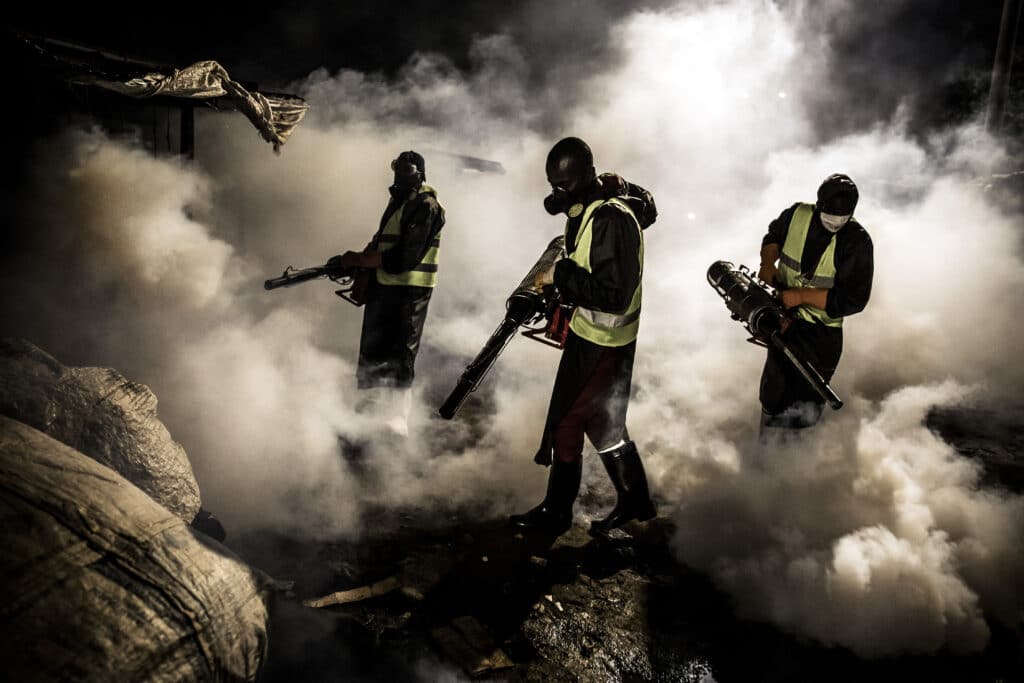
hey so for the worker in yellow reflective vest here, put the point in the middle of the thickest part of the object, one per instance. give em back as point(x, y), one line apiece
point(404, 256)
point(601, 276)
point(822, 260)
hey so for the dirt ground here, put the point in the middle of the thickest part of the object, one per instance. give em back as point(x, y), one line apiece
point(465, 598)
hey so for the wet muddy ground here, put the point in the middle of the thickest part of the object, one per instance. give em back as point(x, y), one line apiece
point(470, 599)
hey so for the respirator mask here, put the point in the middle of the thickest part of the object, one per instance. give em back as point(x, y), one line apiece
point(834, 223)
point(558, 201)
point(407, 175)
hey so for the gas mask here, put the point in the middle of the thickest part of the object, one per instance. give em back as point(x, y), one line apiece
point(560, 201)
point(834, 223)
point(407, 175)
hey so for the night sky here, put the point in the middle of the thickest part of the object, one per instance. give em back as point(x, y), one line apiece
point(945, 48)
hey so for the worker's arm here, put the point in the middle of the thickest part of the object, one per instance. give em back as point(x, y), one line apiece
point(810, 296)
point(854, 274)
point(852, 287)
point(367, 258)
point(771, 247)
point(769, 271)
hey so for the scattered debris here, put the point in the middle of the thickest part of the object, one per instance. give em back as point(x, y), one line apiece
point(412, 593)
point(419, 577)
point(609, 617)
point(613, 536)
point(372, 590)
point(466, 642)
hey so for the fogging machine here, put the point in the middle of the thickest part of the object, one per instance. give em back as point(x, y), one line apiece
point(353, 281)
point(758, 307)
point(527, 305)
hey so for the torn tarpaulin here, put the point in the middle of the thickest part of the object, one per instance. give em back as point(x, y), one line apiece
point(275, 116)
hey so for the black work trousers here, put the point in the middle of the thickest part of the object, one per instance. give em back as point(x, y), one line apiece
point(787, 400)
point(392, 327)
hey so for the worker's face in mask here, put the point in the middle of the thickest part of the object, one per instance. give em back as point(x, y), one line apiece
point(558, 201)
point(567, 184)
point(834, 223)
point(407, 175)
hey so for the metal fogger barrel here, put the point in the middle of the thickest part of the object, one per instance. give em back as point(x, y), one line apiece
point(526, 304)
point(757, 306)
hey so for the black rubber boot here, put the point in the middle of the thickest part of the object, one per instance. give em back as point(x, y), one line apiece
point(554, 514)
point(630, 482)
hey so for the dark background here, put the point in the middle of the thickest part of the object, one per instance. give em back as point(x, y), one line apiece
point(927, 63)
point(935, 57)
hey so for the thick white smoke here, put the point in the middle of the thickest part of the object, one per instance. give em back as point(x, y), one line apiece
point(870, 532)
point(873, 533)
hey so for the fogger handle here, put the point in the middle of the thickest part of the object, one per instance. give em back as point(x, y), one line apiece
point(809, 373)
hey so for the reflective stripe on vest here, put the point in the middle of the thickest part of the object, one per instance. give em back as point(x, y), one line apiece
point(599, 327)
point(824, 275)
point(424, 273)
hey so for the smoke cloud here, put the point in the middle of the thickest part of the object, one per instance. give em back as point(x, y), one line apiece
point(868, 532)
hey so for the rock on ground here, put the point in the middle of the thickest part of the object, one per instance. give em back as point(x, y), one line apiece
point(99, 583)
point(100, 413)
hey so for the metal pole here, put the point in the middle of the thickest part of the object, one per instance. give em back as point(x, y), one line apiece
point(1001, 69)
point(187, 144)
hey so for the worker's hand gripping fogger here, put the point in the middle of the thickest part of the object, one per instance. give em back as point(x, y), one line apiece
point(759, 308)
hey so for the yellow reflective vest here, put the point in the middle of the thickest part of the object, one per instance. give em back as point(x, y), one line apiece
point(606, 329)
point(824, 275)
point(424, 273)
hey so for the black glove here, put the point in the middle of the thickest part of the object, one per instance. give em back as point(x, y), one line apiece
point(543, 456)
point(334, 261)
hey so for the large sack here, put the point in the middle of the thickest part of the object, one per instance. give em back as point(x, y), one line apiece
point(100, 413)
point(99, 583)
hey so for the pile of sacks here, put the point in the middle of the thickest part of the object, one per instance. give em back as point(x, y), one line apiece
point(103, 577)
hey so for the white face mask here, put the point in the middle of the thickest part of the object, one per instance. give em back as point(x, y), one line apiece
point(834, 223)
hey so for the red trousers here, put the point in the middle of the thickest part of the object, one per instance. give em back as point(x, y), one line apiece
point(594, 413)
